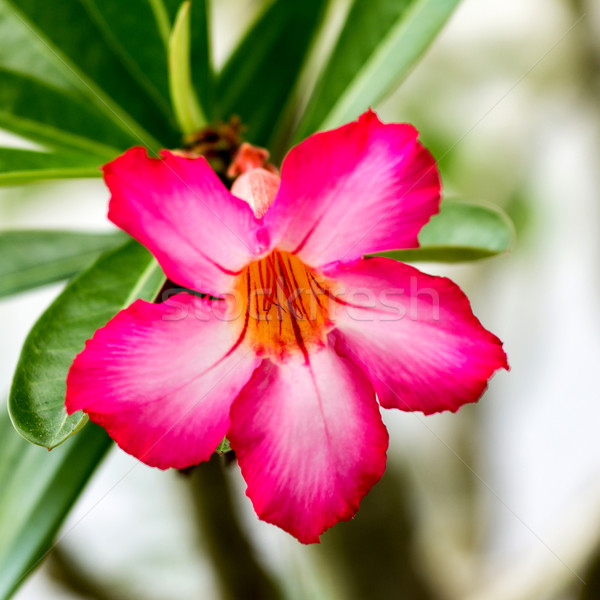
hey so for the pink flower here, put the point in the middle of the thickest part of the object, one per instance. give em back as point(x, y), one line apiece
point(289, 365)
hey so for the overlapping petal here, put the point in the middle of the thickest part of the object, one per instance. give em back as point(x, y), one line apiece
point(161, 379)
point(310, 442)
point(364, 187)
point(178, 208)
point(414, 335)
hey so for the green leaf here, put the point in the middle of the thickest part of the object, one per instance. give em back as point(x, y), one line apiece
point(185, 103)
point(202, 71)
point(460, 231)
point(38, 489)
point(379, 44)
point(29, 259)
point(57, 117)
point(74, 40)
point(259, 78)
point(22, 166)
point(135, 30)
point(162, 19)
point(37, 395)
point(22, 51)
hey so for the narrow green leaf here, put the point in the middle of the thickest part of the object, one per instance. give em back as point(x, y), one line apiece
point(38, 489)
point(259, 78)
point(379, 44)
point(201, 60)
point(185, 103)
point(163, 21)
point(461, 231)
point(73, 39)
point(57, 117)
point(132, 29)
point(37, 395)
point(22, 166)
point(31, 258)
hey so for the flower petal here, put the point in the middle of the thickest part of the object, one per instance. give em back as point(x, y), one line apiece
point(310, 442)
point(178, 208)
point(365, 187)
point(161, 379)
point(414, 335)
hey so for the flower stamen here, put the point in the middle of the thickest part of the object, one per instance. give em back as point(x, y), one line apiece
point(286, 306)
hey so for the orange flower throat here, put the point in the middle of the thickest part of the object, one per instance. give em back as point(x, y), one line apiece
point(285, 306)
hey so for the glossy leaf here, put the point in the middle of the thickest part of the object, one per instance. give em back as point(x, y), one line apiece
point(37, 395)
point(22, 166)
point(259, 78)
point(135, 29)
point(72, 35)
point(461, 231)
point(38, 489)
point(31, 258)
point(379, 44)
point(185, 103)
point(57, 117)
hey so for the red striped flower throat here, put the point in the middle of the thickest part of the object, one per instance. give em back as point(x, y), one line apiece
point(285, 306)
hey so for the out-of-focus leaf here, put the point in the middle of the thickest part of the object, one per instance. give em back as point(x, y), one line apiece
point(259, 78)
point(38, 489)
point(57, 117)
point(29, 259)
point(134, 29)
point(201, 60)
point(37, 395)
point(22, 51)
point(460, 231)
point(185, 103)
point(22, 166)
point(379, 44)
point(71, 35)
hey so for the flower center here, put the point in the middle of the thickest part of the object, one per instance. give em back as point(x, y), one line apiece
point(285, 306)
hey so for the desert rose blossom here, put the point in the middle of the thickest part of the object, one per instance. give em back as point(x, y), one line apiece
point(308, 338)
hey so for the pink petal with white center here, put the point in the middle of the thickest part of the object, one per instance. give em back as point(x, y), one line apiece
point(178, 208)
point(309, 441)
point(365, 187)
point(160, 378)
point(414, 336)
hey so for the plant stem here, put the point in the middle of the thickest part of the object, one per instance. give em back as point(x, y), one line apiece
point(240, 574)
